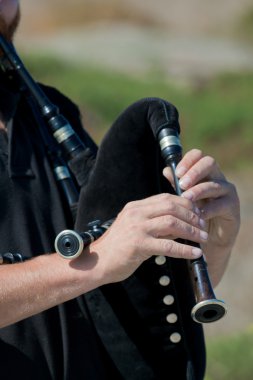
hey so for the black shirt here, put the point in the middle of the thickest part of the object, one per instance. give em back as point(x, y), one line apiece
point(119, 331)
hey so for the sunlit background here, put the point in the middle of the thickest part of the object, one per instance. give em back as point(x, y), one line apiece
point(196, 54)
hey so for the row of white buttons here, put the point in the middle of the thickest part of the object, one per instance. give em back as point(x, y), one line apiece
point(168, 300)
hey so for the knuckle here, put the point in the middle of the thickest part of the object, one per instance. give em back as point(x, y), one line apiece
point(214, 186)
point(198, 153)
point(187, 252)
point(211, 162)
point(195, 172)
point(191, 231)
point(192, 218)
point(169, 202)
point(165, 197)
point(170, 221)
point(177, 250)
point(188, 204)
point(171, 207)
point(130, 212)
point(167, 246)
point(218, 186)
point(182, 253)
point(130, 205)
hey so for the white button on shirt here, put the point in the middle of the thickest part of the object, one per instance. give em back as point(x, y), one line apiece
point(164, 280)
point(168, 300)
point(160, 260)
point(175, 337)
point(172, 318)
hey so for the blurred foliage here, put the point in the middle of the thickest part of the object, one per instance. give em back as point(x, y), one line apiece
point(244, 27)
point(215, 115)
point(231, 357)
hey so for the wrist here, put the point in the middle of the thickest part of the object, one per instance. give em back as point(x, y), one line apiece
point(86, 271)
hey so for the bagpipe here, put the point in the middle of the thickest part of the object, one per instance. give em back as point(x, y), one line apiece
point(128, 166)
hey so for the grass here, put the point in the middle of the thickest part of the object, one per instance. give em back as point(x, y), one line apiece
point(231, 358)
point(216, 116)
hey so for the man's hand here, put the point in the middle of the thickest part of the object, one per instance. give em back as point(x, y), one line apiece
point(145, 228)
point(203, 183)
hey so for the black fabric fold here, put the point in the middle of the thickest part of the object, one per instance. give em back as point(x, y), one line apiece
point(128, 168)
point(18, 167)
point(82, 165)
point(9, 97)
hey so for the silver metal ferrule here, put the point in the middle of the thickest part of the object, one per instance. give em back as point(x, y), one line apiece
point(169, 141)
point(79, 246)
point(63, 133)
point(92, 239)
point(215, 308)
point(61, 172)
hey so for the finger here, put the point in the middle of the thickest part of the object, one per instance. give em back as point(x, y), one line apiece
point(194, 167)
point(171, 248)
point(187, 161)
point(204, 169)
point(174, 228)
point(153, 199)
point(167, 173)
point(159, 205)
point(206, 190)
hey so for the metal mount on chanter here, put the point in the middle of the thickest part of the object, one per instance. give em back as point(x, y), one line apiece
point(70, 244)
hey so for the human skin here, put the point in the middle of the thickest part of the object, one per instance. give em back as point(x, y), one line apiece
point(9, 17)
point(207, 213)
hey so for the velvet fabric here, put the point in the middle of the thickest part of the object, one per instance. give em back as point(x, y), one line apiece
point(129, 167)
point(118, 331)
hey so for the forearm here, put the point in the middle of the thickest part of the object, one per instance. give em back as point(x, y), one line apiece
point(38, 284)
point(141, 230)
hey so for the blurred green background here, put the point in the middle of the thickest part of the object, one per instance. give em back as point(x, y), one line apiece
point(107, 54)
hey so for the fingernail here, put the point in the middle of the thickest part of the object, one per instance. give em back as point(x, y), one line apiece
point(184, 182)
point(197, 210)
point(202, 223)
point(197, 252)
point(204, 235)
point(188, 195)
